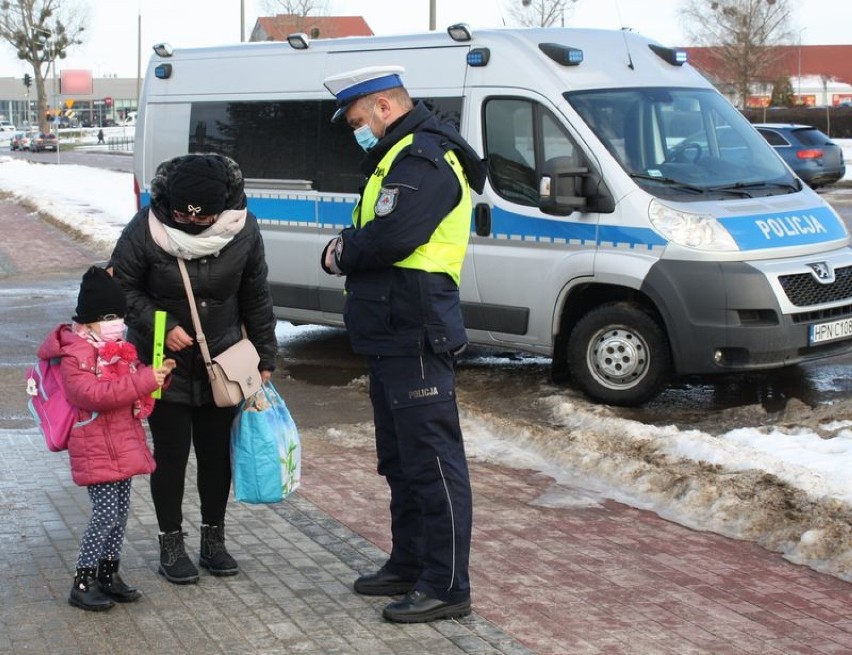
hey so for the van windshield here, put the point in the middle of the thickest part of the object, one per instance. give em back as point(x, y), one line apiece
point(683, 143)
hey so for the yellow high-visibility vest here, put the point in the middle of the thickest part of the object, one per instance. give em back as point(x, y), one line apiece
point(444, 252)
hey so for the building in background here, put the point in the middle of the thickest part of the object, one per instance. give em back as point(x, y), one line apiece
point(820, 75)
point(109, 103)
point(278, 28)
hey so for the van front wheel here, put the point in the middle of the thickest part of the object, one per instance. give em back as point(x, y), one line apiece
point(618, 354)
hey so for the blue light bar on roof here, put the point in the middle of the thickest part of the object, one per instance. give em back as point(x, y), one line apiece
point(478, 57)
point(562, 54)
point(673, 56)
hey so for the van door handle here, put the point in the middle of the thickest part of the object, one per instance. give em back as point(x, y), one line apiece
point(482, 219)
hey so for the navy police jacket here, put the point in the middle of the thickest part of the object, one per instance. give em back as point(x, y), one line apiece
point(391, 310)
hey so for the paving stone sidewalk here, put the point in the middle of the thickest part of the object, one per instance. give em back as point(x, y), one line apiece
point(293, 594)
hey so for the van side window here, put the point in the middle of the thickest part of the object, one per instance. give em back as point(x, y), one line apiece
point(555, 140)
point(520, 135)
point(293, 143)
point(272, 140)
point(510, 150)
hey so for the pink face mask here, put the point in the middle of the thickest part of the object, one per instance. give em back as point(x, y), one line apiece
point(113, 330)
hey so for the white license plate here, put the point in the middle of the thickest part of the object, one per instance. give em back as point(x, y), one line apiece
point(831, 331)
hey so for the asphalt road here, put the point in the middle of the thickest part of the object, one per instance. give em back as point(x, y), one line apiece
point(114, 161)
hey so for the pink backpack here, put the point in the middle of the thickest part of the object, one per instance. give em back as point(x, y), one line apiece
point(49, 406)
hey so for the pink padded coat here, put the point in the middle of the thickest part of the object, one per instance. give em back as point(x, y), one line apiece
point(113, 446)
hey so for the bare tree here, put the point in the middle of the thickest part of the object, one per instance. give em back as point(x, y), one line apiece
point(540, 13)
point(41, 31)
point(296, 7)
point(299, 8)
point(743, 35)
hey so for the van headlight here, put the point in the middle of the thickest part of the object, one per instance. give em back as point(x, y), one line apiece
point(699, 231)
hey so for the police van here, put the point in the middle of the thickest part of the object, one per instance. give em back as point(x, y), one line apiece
point(634, 225)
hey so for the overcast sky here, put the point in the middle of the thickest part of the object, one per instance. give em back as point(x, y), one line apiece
point(112, 45)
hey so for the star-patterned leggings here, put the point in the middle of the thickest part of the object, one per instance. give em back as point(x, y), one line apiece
point(104, 535)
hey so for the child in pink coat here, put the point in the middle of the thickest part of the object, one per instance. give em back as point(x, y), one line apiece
point(111, 390)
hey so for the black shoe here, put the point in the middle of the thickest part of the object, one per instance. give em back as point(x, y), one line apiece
point(112, 585)
point(175, 565)
point(214, 557)
point(382, 583)
point(86, 594)
point(417, 607)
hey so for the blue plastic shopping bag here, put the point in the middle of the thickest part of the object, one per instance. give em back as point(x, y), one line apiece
point(266, 453)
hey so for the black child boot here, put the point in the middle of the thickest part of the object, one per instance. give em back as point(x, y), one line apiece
point(112, 585)
point(214, 557)
point(175, 565)
point(86, 594)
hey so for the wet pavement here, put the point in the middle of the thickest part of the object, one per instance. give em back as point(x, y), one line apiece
point(567, 580)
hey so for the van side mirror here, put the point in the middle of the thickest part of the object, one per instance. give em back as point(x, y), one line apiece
point(565, 187)
point(559, 187)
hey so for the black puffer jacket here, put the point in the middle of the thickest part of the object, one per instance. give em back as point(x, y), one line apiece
point(230, 289)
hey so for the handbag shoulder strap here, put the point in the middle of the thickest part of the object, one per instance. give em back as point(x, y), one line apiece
point(196, 321)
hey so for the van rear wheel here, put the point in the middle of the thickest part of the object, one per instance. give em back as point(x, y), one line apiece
point(619, 354)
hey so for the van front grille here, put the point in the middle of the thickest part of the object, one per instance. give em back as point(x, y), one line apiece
point(803, 290)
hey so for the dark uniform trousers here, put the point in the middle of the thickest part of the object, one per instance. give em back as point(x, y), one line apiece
point(421, 454)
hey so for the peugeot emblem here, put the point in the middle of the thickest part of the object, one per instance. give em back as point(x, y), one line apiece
point(822, 272)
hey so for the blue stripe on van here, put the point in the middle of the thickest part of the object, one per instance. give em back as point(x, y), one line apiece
point(299, 211)
point(508, 225)
point(784, 229)
point(336, 212)
point(752, 232)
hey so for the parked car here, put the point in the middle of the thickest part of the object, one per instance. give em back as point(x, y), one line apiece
point(15, 141)
point(21, 140)
point(44, 141)
point(812, 155)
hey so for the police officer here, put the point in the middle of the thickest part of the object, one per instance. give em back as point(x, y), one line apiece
point(402, 259)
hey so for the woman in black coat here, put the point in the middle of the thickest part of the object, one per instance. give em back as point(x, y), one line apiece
point(198, 213)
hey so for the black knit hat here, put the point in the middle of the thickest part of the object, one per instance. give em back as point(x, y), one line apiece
point(99, 296)
point(198, 186)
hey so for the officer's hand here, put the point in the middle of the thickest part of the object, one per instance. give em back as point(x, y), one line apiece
point(328, 262)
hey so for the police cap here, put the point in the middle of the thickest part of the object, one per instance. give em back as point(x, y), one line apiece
point(348, 87)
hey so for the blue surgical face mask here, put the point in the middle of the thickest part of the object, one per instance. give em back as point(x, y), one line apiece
point(364, 135)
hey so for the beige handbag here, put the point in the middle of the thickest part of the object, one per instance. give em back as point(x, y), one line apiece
point(233, 373)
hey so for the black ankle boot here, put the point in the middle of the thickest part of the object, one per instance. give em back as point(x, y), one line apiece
point(112, 585)
point(86, 594)
point(214, 557)
point(175, 565)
